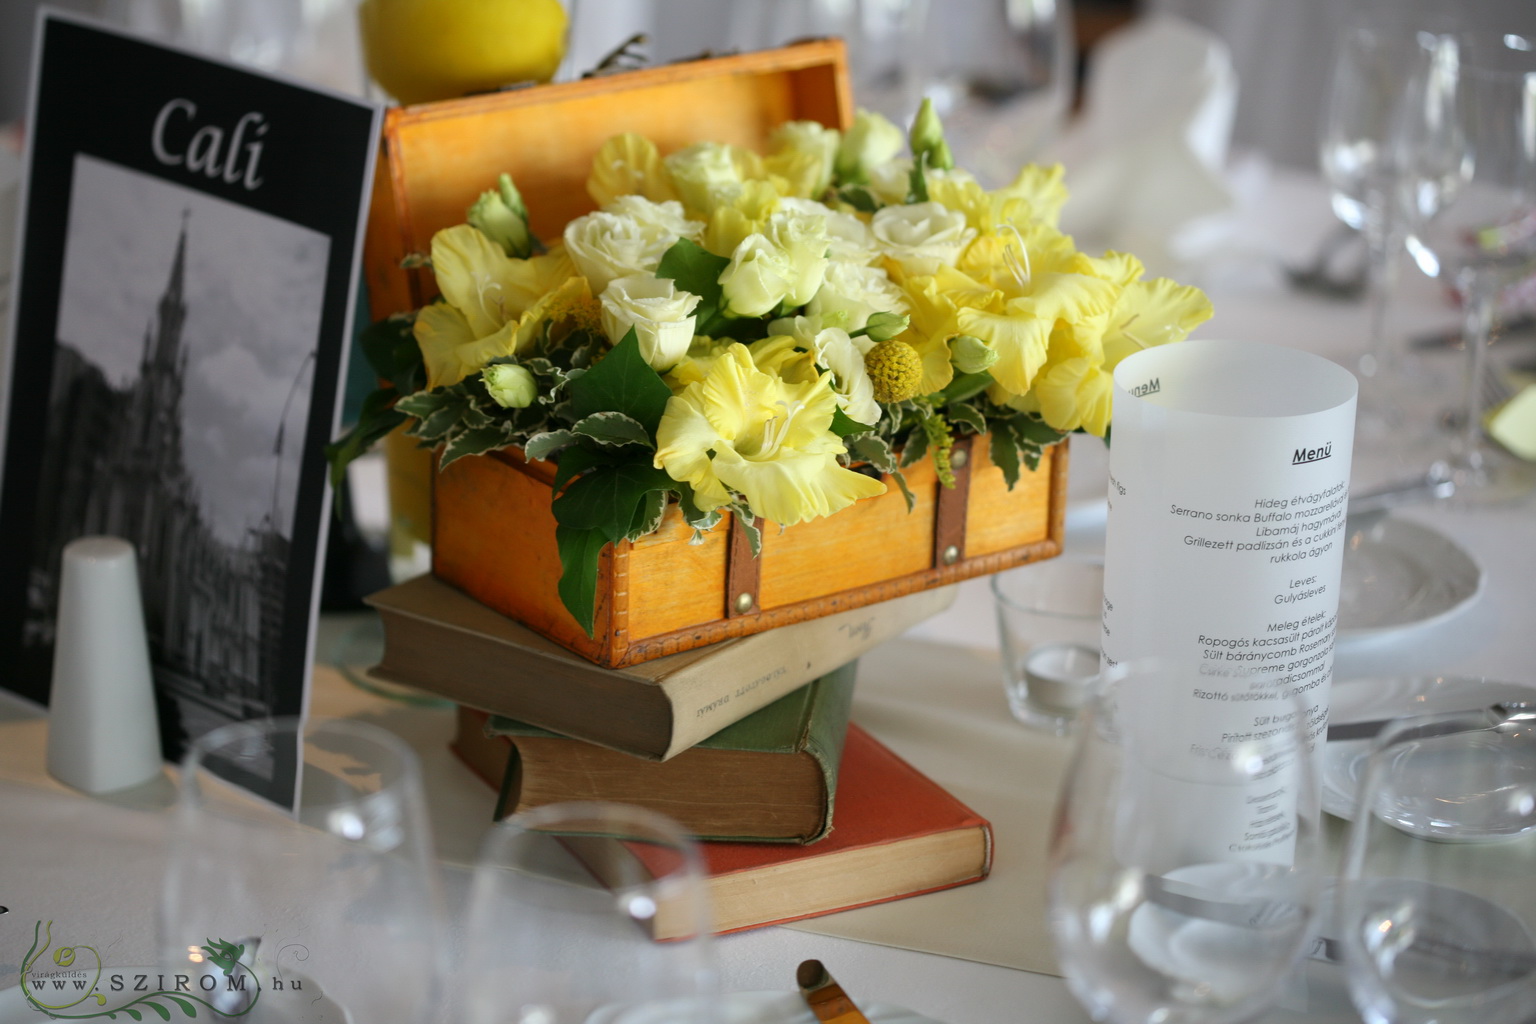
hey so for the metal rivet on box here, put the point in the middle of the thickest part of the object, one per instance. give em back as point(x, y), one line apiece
point(951, 555)
point(743, 603)
point(959, 457)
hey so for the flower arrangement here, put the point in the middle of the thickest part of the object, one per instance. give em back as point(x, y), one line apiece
point(762, 335)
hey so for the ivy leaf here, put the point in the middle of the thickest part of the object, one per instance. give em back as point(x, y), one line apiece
point(966, 385)
point(695, 269)
point(648, 513)
point(622, 382)
point(377, 418)
point(574, 461)
point(390, 347)
point(613, 428)
point(906, 492)
point(874, 450)
point(913, 451)
point(579, 551)
point(1038, 432)
point(748, 524)
point(694, 516)
point(542, 445)
point(604, 498)
point(477, 441)
point(1005, 454)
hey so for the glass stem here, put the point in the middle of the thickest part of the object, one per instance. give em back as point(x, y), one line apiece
point(1474, 334)
point(1383, 239)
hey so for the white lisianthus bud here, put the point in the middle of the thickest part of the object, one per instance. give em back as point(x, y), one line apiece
point(928, 137)
point(502, 217)
point(850, 293)
point(803, 239)
point(758, 278)
point(812, 142)
point(971, 354)
point(921, 237)
point(511, 386)
point(871, 141)
point(607, 245)
point(661, 315)
point(885, 325)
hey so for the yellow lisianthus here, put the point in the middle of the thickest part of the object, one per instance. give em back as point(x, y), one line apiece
point(752, 433)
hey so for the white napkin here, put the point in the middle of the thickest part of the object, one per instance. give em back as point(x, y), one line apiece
point(1145, 161)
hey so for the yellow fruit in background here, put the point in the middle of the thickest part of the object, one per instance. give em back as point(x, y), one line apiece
point(423, 50)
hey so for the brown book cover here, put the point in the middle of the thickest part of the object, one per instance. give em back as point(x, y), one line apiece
point(440, 640)
point(771, 777)
point(895, 833)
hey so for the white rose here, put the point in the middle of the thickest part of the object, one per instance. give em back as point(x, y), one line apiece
point(661, 315)
point(850, 293)
point(803, 239)
point(668, 218)
point(848, 237)
point(608, 245)
point(758, 277)
point(704, 174)
point(921, 237)
point(892, 180)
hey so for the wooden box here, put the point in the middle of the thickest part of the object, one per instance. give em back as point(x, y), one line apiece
point(493, 534)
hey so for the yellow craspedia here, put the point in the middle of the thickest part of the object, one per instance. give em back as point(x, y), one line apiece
point(895, 369)
point(423, 50)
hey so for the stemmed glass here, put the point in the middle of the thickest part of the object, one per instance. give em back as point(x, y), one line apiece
point(1185, 858)
point(587, 913)
point(300, 858)
point(1436, 910)
point(1472, 218)
point(1359, 150)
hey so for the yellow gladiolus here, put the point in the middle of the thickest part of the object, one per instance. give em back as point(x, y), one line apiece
point(743, 431)
point(629, 164)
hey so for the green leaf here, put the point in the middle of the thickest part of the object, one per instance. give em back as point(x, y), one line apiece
point(860, 198)
point(135, 1014)
point(1039, 432)
point(1005, 455)
point(694, 516)
point(960, 412)
point(390, 347)
point(574, 461)
point(966, 385)
point(874, 450)
point(622, 382)
point(186, 1007)
point(605, 497)
point(906, 491)
point(695, 269)
point(372, 426)
point(913, 451)
point(162, 1011)
point(1031, 459)
point(843, 425)
point(472, 442)
point(648, 513)
point(748, 524)
point(917, 181)
point(542, 445)
point(579, 551)
point(613, 428)
point(422, 404)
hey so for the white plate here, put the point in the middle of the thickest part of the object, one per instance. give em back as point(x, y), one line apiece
point(757, 1008)
point(1398, 574)
point(1358, 700)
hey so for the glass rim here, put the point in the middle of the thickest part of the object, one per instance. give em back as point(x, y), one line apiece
point(995, 584)
point(301, 726)
point(648, 826)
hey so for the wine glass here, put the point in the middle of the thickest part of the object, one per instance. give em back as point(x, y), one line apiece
point(1359, 150)
point(1435, 903)
point(300, 859)
point(1185, 857)
point(587, 913)
point(1472, 218)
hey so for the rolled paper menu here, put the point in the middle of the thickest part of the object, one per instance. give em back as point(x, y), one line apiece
point(1228, 490)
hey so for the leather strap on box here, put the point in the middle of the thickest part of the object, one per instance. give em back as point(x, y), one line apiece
point(741, 573)
point(950, 505)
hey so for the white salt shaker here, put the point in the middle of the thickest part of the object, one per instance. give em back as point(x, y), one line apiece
point(103, 733)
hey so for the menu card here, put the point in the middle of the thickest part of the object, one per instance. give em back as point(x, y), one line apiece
point(1228, 490)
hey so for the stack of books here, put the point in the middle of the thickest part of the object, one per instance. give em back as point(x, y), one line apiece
point(746, 743)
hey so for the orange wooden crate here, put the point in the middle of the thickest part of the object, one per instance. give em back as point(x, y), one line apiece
point(493, 532)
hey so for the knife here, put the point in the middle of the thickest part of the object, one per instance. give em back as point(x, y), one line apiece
point(1499, 713)
point(825, 997)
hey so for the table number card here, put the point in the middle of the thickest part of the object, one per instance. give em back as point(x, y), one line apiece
point(182, 311)
point(1229, 486)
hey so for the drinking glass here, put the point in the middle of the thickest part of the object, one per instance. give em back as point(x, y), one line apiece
point(1472, 215)
point(1050, 617)
point(1184, 875)
point(300, 851)
point(587, 913)
point(1435, 902)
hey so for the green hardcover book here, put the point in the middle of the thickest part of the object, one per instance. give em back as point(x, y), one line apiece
point(770, 777)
